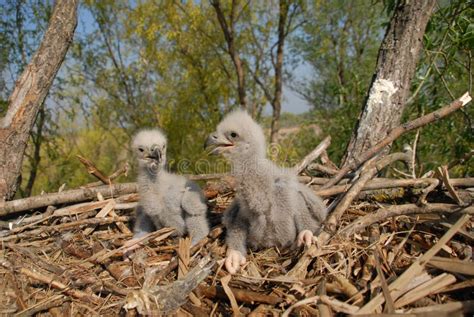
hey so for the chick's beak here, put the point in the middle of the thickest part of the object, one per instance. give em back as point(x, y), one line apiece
point(154, 153)
point(216, 143)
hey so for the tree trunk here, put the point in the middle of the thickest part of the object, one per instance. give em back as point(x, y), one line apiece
point(396, 65)
point(29, 93)
point(37, 140)
point(228, 30)
point(276, 102)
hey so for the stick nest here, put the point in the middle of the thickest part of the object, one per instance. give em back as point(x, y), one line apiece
point(72, 259)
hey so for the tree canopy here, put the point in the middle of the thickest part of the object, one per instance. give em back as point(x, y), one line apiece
point(138, 64)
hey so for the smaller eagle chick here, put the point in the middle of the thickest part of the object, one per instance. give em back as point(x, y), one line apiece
point(166, 200)
point(271, 208)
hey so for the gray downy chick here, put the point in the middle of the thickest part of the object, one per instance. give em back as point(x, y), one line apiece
point(166, 200)
point(271, 208)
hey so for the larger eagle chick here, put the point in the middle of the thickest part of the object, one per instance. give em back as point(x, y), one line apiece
point(271, 208)
point(166, 200)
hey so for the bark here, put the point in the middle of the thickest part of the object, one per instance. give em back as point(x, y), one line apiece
point(29, 93)
point(396, 65)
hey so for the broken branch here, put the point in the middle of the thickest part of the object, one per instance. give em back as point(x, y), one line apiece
point(397, 132)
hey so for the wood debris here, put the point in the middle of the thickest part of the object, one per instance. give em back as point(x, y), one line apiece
point(71, 259)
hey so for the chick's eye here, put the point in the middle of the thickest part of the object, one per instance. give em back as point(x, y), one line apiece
point(141, 149)
point(233, 135)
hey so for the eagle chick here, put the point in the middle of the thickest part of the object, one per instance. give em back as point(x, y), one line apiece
point(166, 200)
point(271, 208)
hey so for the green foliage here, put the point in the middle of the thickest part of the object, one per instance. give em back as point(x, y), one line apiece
point(444, 74)
point(330, 45)
point(339, 42)
point(139, 64)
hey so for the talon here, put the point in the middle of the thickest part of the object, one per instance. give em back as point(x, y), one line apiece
point(234, 260)
point(305, 237)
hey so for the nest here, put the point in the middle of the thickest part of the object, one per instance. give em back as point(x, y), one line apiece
point(75, 259)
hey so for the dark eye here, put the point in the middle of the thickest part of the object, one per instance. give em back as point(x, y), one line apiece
point(233, 135)
point(141, 149)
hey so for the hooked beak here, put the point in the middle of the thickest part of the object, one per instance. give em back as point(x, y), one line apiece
point(154, 153)
point(217, 144)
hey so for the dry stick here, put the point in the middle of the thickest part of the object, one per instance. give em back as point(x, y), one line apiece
point(313, 155)
point(400, 210)
point(65, 226)
point(390, 309)
point(241, 295)
point(414, 269)
point(114, 190)
point(93, 170)
point(346, 286)
point(184, 245)
point(430, 287)
point(53, 281)
point(443, 173)
point(203, 177)
point(458, 286)
point(156, 235)
point(70, 196)
point(322, 168)
point(382, 183)
point(306, 301)
point(214, 234)
point(372, 169)
point(397, 132)
point(424, 194)
point(122, 170)
point(323, 309)
point(452, 265)
point(228, 291)
point(463, 307)
point(45, 304)
point(339, 306)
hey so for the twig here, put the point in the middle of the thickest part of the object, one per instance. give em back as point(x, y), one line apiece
point(45, 304)
point(372, 169)
point(313, 155)
point(397, 132)
point(302, 302)
point(157, 235)
point(55, 283)
point(415, 269)
point(184, 245)
point(382, 183)
point(452, 265)
point(390, 307)
point(122, 170)
point(430, 287)
point(70, 196)
point(443, 173)
point(322, 168)
point(65, 226)
point(93, 170)
point(400, 210)
point(461, 307)
point(214, 234)
point(162, 299)
point(228, 291)
point(204, 177)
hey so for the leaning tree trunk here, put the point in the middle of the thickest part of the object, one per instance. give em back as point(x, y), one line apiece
point(29, 93)
point(396, 65)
